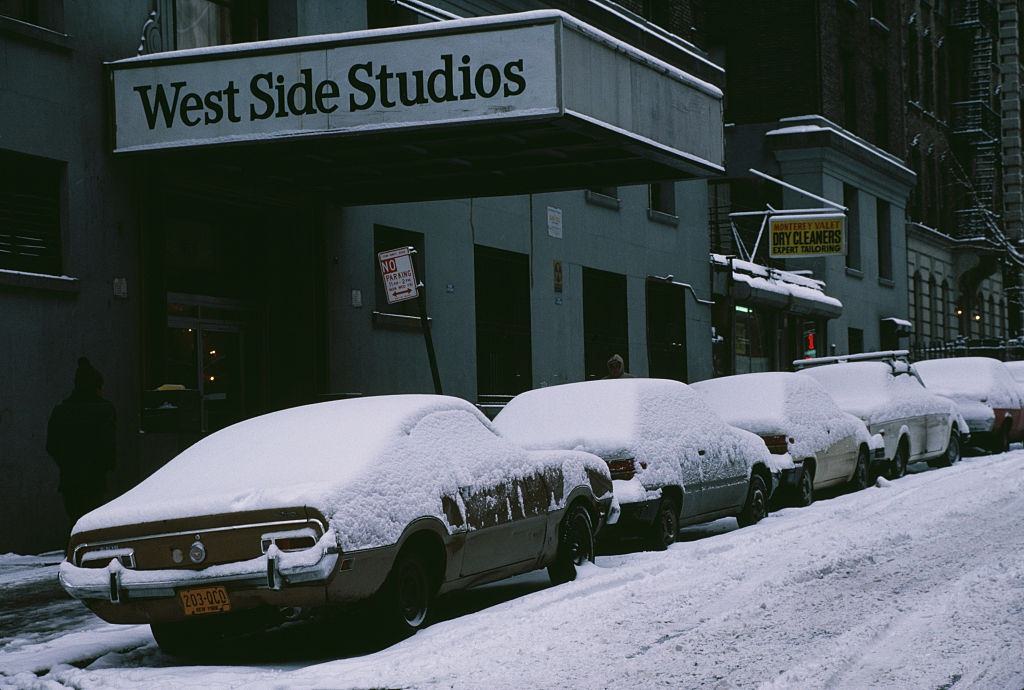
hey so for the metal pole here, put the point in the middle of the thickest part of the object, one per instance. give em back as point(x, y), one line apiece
point(797, 189)
point(427, 337)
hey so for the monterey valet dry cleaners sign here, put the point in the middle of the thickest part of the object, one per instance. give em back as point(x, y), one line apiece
point(348, 83)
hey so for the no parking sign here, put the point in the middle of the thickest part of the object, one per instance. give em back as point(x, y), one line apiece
point(399, 275)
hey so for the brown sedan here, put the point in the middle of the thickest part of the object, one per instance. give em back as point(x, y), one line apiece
point(391, 500)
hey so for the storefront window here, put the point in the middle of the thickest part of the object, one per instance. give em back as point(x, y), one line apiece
point(752, 340)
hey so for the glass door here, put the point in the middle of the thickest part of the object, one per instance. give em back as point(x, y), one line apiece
point(221, 382)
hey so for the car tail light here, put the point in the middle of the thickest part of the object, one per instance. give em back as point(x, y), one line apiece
point(292, 540)
point(100, 558)
point(777, 444)
point(622, 468)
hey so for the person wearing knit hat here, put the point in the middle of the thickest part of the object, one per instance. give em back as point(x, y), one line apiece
point(80, 438)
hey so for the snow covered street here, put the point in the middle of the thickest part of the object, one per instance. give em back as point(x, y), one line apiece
point(917, 583)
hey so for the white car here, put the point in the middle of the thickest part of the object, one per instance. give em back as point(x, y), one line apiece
point(818, 445)
point(889, 396)
point(986, 396)
point(672, 459)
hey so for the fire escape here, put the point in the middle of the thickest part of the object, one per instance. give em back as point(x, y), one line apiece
point(976, 124)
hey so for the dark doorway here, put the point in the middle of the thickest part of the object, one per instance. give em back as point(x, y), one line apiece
point(666, 330)
point(605, 321)
point(504, 357)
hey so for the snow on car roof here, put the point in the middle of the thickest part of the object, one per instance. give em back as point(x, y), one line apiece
point(770, 403)
point(870, 391)
point(604, 417)
point(970, 378)
point(302, 448)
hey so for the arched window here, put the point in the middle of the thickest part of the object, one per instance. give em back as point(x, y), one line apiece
point(978, 316)
point(917, 306)
point(933, 312)
point(993, 332)
point(1003, 329)
point(947, 313)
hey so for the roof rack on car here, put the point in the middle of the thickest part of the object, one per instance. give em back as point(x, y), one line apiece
point(888, 356)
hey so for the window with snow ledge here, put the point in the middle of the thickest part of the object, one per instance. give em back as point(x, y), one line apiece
point(662, 203)
point(30, 214)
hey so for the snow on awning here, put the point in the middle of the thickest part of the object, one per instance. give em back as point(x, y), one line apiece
point(903, 327)
point(507, 104)
point(757, 284)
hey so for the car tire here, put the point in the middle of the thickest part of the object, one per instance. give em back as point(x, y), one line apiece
point(861, 479)
point(803, 494)
point(898, 464)
point(756, 507)
point(952, 453)
point(1001, 440)
point(575, 545)
point(662, 532)
point(407, 598)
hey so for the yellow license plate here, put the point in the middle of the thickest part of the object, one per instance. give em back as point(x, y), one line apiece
point(204, 600)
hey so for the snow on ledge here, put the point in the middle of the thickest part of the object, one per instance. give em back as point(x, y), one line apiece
point(512, 19)
point(838, 131)
point(777, 281)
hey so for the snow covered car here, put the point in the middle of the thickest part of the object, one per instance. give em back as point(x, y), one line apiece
point(674, 461)
point(815, 443)
point(985, 394)
point(885, 391)
point(391, 499)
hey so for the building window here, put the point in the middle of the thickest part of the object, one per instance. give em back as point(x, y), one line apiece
point(947, 315)
point(918, 307)
point(504, 356)
point(848, 66)
point(202, 23)
point(992, 317)
point(605, 321)
point(913, 64)
point(382, 14)
point(48, 14)
point(385, 239)
point(30, 214)
point(662, 197)
point(878, 10)
point(933, 308)
point(928, 77)
point(884, 225)
point(881, 86)
point(855, 340)
point(851, 202)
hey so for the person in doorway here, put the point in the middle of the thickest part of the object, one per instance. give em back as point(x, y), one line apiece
point(80, 439)
point(617, 368)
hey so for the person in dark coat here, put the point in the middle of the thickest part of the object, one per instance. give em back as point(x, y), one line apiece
point(80, 439)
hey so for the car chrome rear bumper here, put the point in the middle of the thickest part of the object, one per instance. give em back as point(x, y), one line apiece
point(116, 583)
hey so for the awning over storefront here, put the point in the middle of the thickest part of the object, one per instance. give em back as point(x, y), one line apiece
point(753, 284)
point(536, 101)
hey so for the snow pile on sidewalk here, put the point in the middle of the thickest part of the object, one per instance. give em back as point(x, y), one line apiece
point(783, 404)
point(663, 425)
